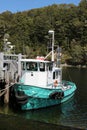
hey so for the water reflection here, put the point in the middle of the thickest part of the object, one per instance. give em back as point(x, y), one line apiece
point(63, 114)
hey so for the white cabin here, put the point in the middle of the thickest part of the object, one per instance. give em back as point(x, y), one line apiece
point(38, 73)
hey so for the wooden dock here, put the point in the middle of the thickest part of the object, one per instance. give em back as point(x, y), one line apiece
point(9, 72)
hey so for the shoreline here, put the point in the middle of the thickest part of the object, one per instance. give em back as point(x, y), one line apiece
point(75, 66)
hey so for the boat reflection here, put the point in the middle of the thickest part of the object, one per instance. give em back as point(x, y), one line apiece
point(55, 115)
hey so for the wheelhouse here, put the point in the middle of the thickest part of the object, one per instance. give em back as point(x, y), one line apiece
point(36, 72)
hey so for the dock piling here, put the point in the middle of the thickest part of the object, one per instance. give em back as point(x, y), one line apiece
point(6, 96)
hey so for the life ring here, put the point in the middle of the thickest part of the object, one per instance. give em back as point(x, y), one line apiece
point(55, 83)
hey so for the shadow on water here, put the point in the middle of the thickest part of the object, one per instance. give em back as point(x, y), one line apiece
point(66, 114)
point(72, 113)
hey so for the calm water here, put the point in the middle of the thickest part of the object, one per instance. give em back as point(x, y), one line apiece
point(71, 113)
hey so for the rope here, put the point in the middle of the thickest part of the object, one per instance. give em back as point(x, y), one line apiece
point(2, 92)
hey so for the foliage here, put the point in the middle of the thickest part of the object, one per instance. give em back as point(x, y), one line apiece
point(28, 30)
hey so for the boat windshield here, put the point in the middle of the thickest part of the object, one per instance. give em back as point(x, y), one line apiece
point(36, 66)
point(42, 66)
point(31, 66)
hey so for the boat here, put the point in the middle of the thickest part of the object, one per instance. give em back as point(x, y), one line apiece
point(40, 84)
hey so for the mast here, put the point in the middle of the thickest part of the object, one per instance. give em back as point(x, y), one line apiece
point(59, 65)
point(52, 32)
point(59, 57)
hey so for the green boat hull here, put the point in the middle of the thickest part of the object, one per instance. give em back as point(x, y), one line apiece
point(36, 103)
point(38, 97)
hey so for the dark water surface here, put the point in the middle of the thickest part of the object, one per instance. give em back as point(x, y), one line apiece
point(72, 113)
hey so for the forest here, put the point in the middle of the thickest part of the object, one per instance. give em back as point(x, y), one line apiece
point(28, 31)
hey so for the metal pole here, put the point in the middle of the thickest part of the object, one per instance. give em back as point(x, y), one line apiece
point(52, 32)
point(53, 46)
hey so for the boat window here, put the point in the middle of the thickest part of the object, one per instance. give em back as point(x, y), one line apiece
point(31, 66)
point(42, 66)
point(49, 66)
point(23, 65)
point(55, 74)
point(6, 66)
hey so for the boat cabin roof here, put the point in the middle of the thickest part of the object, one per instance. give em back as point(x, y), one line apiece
point(34, 60)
